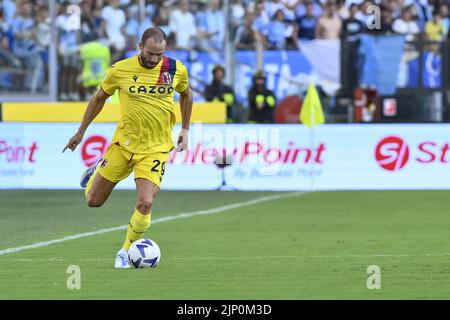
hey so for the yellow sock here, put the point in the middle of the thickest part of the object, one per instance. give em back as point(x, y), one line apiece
point(139, 223)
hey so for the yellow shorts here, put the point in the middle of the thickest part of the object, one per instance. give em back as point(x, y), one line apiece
point(118, 163)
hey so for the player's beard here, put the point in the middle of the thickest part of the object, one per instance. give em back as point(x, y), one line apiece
point(147, 64)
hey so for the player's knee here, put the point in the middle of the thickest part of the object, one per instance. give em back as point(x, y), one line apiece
point(144, 205)
point(94, 202)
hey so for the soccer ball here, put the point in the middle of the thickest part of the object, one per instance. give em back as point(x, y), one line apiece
point(144, 253)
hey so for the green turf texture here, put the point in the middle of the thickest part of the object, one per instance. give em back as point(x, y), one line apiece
point(311, 246)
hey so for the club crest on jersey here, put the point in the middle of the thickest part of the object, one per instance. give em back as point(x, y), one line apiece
point(167, 78)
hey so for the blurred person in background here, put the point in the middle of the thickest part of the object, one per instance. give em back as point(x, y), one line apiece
point(307, 23)
point(288, 7)
point(114, 20)
point(7, 59)
point(348, 3)
point(134, 28)
point(245, 37)
point(434, 29)
point(182, 24)
point(444, 11)
point(406, 24)
point(421, 14)
point(9, 10)
point(279, 32)
point(237, 15)
point(422, 10)
point(329, 25)
point(152, 6)
point(261, 23)
point(90, 23)
point(43, 28)
point(301, 8)
point(261, 100)
point(25, 47)
point(200, 8)
point(43, 34)
point(394, 6)
point(219, 91)
point(386, 21)
point(352, 26)
point(342, 10)
point(68, 41)
point(365, 14)
point(212, 27)
point(272, 6)
point(161, 20)
point(95, 60)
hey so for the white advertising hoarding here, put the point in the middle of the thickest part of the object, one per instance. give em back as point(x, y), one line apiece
point(265, 157)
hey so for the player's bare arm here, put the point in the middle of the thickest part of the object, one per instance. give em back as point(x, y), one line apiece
point(94, 107)
point(186, 100)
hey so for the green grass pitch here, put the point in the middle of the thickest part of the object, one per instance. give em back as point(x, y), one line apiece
point(306, 246)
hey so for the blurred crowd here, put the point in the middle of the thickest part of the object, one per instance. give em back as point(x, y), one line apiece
point(94, 33)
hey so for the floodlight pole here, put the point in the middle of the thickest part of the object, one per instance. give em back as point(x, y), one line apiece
point(229, 46)
point(141, 11)
point(312, 141)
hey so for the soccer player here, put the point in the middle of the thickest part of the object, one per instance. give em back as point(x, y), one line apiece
point(143, 138)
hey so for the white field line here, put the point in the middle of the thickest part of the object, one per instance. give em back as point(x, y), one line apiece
point(163, 219)
point(299, 257)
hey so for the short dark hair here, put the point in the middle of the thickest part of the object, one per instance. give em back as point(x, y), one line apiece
point(259, 74)
point(407, 8)
point(218, 67)
point(277, 12)
point(155, 33)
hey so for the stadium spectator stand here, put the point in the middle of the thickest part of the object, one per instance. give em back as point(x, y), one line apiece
point(194, 26)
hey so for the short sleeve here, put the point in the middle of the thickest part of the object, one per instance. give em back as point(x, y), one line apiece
point(184, 79)
point(109, 83)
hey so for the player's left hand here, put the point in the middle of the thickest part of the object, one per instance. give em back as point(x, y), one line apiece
point(182, 140)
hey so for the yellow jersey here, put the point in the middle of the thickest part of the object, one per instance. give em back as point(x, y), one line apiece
point(434, 30)
point(146, 102)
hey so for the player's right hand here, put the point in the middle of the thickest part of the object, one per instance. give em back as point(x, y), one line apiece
point(74, 141)
point(182, 143)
